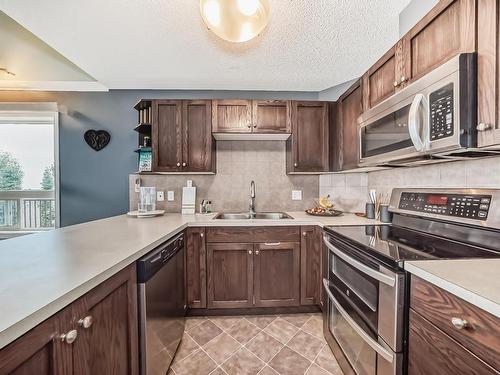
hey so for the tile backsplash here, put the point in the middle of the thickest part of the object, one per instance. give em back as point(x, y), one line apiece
point(238, 163)
point(350, 190)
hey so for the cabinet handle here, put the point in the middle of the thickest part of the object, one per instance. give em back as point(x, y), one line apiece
point(256, 252)
point(201, 235)
point(86, 322)
point(395, 84)
point(250, 252)
point(272, 243)
point(69, 337)
point(459, 323)
point(249, 125)
point(304, 234)
point(403, 79)
point(178, 164)
point(295, 165)
point(481, 127)
point(254, 125)
point(184, 164)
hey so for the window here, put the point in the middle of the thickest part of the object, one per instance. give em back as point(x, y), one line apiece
point(29, 185)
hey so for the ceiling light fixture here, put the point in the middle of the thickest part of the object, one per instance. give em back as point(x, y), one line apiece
point(7, 71)
point(235, 20)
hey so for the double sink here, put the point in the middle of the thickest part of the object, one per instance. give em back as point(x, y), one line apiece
point(251, 216)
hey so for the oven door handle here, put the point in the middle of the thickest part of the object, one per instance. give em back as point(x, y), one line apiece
point(414, 123)
point(379, 276)
point(386, 354)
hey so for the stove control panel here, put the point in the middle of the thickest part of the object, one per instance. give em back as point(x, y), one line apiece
point(474, 207)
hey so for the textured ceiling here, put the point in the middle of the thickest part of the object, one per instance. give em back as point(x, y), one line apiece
point(309, 45)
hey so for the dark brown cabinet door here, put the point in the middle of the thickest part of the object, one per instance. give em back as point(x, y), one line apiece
point(230, 275)
point(277, 274)
point(307, 148)
point(271, 116)
point(447, 30)
point(198, 145)
point(196, 270)
point(39, 351)
point(431, 352)
point(350, 107)
point(167, 135)
point(110, 344)
point(488, 73)
point(231, 116)
point(310, 269)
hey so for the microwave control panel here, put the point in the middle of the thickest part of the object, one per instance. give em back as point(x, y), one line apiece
point(441, 113)
point(474, 207)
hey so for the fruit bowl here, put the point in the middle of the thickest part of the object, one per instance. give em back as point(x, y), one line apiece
point(324, 208)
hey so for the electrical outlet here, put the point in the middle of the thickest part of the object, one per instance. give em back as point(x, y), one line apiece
point(137, 185)
point(170, 196)
point(296, 195)
point(160, 196)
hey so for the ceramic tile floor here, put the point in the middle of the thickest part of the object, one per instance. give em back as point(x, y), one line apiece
point(261, 344)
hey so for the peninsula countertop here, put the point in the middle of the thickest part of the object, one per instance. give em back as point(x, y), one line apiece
point(476, 281)
point(42, 273)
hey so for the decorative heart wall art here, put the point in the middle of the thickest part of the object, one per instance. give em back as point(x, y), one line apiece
point(97, 139)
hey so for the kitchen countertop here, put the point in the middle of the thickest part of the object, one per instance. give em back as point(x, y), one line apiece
point(474, 280)
point(44, 272)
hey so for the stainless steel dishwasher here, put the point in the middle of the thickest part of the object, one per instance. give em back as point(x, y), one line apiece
point(162, 305)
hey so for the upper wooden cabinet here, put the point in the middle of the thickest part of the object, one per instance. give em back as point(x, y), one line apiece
point(182, 136)
point(251, 116)
point(488, 66)
point(231, 116)
point(447, 30)
point(349, 107)
point(307, 148)
point(271, 116)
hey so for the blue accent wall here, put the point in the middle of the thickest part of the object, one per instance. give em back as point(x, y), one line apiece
point(94, 185)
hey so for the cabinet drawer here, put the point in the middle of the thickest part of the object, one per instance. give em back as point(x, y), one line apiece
point(432, 352)
point(253, 234)
point(482, 333)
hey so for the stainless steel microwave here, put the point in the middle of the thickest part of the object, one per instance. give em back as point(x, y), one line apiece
point(432, 117)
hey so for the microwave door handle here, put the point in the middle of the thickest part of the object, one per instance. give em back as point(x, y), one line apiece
point(415, 124)
point(386, 354)
point(379, 276)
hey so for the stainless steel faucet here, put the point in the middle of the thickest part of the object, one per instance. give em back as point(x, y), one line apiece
point(252, 198)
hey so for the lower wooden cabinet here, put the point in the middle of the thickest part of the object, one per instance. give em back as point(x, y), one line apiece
point(96, 334)
point(196, 268)
point(230, 275)
point(277, 274)
point(310, 269)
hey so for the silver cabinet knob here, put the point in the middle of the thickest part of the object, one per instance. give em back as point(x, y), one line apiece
point(256, 252)
point(481, 127)
point(304, 234)
point(254, 125)
point(250, 252)
point(459, 323)
point(201, 235)
point(403, 79)
point(178, 164)
point(184, 164)
point(395, 84)
point(86, 322)
point(295, 165)
point(69, 337)
point(249, 126)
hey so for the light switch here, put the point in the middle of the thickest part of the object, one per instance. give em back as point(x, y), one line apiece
point(296, 195)
point(160, 196)
point(170, 196)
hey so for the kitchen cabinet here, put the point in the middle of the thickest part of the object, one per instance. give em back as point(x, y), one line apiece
point(307, 148)
point(196, 268)
point(271, 116)
point(230, 275)
point(310, 269)
point(384, 77)
point(448, 335)
point(231, 116)
point(447, 30)
point(350, 106)
point(488, 73)
point(96, 334)
point(277, 274)
point(181, 136)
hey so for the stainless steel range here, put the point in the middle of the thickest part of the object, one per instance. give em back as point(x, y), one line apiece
point(364, 278)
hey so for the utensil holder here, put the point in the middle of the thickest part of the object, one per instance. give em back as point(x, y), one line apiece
point(385, 214)
point(370, 210)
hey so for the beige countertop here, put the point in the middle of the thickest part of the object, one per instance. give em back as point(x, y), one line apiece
point(42, 273)
point(474, 280)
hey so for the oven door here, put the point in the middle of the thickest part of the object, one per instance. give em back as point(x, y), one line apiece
point(364, 311)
